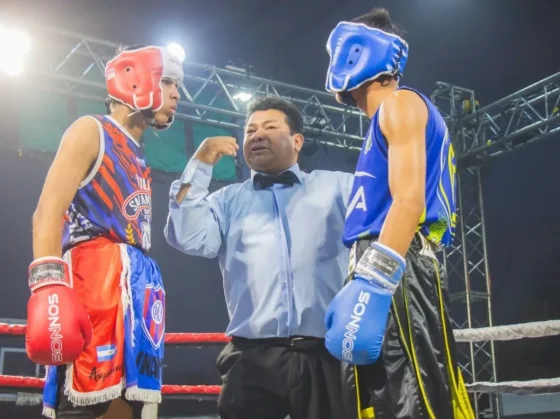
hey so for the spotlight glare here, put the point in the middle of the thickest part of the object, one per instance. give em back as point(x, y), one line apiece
point(12, 67)
point(177, 50)
point(243, 96)
point(14, 42)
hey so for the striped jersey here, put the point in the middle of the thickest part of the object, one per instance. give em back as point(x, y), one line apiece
point(115, 200)
point(371, 197)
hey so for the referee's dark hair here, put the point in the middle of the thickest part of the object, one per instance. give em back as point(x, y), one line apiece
point(293, 115)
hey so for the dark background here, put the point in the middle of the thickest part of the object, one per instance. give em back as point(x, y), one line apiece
point(494, 47)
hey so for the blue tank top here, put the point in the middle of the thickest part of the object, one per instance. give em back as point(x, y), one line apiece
point(371, 198)
point(115, 200)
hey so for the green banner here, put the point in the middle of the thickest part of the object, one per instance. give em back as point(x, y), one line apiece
point(43, 119)
point(51, 115)
point(165, 150)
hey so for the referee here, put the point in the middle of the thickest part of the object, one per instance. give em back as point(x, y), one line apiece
point(278, 240)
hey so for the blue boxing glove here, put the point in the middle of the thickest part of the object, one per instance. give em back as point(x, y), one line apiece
point(357, 316)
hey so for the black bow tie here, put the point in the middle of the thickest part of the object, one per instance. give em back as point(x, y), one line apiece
point(262, 181)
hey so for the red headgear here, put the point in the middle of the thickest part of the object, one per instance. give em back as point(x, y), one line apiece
point(134, 78)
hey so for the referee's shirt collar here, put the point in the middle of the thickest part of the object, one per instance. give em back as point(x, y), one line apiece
point(294, 169)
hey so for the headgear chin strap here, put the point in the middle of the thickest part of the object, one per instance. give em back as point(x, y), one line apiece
point(134, 78)
point(359, 54)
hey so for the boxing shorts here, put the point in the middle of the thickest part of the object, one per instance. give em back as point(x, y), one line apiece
point(416, 375)
point(122, 291)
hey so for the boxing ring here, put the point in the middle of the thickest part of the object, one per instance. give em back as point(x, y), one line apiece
point(73, 64)
point(33, 385)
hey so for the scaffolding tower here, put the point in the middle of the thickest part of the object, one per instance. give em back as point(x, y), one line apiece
point(73, 64)
point(529, 115)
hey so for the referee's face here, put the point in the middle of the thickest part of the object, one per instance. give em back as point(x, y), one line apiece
point(269, 146)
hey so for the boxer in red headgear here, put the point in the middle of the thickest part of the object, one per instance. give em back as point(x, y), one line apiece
point(96, 315)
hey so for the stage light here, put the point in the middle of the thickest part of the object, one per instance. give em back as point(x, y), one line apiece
point(243, 96)
point(14, 45)
point(177, 50)
point(13, 41)
point(12, 66)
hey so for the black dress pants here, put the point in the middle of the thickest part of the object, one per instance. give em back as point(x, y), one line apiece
point(273, 378)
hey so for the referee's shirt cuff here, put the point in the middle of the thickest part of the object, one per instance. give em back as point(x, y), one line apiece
point(197, 174)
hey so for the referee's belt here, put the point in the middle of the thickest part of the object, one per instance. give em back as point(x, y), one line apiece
point(296, 342)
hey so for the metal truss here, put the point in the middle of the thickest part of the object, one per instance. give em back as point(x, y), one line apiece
point(469, 282)
point(74, 64)
point(526, 116)
point(522, 118)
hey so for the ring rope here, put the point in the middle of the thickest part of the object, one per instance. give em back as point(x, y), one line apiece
point(540, 386)
point(170, 338)
point(34, 382)
point(494, 333)
point(509, 332)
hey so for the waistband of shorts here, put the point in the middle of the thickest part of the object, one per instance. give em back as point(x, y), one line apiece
point(418, 241)
point(103, 240)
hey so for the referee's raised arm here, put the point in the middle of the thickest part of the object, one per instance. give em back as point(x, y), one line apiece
point(196, 217)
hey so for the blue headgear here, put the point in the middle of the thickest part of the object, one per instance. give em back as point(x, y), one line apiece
point(359, 54)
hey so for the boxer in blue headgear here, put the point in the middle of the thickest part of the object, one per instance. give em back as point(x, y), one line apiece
point(389, 324)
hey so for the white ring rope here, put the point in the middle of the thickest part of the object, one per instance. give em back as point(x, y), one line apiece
point(495, 333)
point(512, 332)
point(542, 386)
point(509, 332)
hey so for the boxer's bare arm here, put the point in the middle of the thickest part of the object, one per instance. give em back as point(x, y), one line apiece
point(403, 118)
point(77, 153)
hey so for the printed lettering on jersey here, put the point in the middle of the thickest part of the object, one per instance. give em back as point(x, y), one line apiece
point(140, 202)
point(146, 235)
point(153, 319)
point(77, 225)
point(358, 201)
point(447, 181)
point(141, 162)
point(367, 146)
point(137, 206)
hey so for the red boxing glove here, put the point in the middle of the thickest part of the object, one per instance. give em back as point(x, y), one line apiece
point(58, 326)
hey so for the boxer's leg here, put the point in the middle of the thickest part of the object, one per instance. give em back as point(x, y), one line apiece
point(67, 410)
point(121, 408)
point(116, 409)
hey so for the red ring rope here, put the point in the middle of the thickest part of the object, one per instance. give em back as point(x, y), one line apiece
point(170, 338)
point(33, 382)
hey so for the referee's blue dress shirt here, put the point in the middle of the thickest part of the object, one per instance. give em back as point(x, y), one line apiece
point(280, 249)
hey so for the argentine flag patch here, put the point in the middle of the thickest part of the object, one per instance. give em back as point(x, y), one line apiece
point(106, 352)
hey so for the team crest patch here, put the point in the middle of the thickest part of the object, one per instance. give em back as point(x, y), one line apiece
point(153, 319)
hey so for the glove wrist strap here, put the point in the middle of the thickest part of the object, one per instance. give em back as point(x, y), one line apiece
point(47, 271)
point(382, 266)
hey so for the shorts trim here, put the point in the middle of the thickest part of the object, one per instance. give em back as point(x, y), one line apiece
point(367, 413)
point(413, 359)
point(462, 405)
